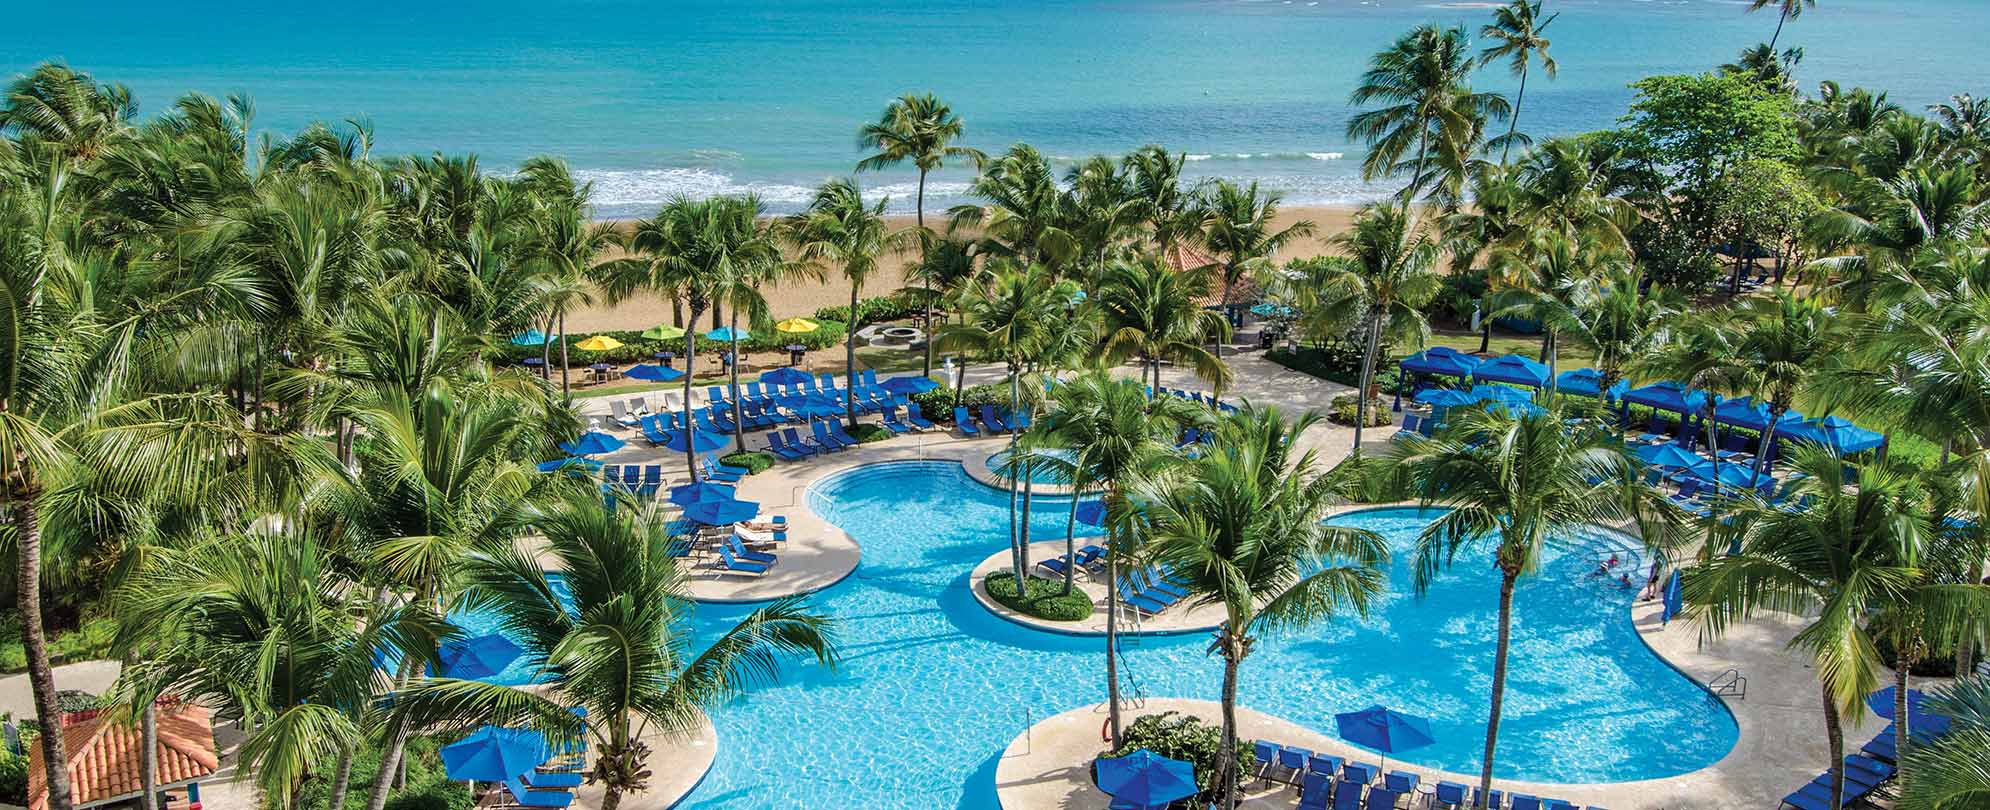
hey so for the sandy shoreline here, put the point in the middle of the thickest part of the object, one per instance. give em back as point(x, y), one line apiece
point(803, 299)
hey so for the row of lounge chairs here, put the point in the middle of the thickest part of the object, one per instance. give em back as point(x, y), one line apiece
point(991, 423)
point(1865, 771)
point(1328, 782)
point(1196, 396)
point(829, 437)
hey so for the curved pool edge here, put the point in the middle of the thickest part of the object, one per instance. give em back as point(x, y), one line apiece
point(1199, 620)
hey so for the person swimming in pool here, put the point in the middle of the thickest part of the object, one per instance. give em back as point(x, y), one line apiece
point(1603, 568)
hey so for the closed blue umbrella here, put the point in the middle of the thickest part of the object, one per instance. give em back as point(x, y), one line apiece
point(593, 443)
point(1144, 779)
point(576, 464)
point(720, 513)
point(784, 376)
point(653, 373)
point(493, 754)
point(477, 657)
point(1385, 730)
point(1675, 597)
point(726, 334)
point(529, 337)
point(701, 441)
point(701, 492)
point(909, 385)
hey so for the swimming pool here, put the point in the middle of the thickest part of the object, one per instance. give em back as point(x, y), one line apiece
point(932, 687)
point(1039, 475)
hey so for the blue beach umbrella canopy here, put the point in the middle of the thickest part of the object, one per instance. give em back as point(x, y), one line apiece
point(720, 513)
point(1836, 433)
point(1668, 396)
point(1446, 398)
point(1675, 596)
point(784, 376)
point(1092, 513)
point(529, 337)
point(1442, 361)
point(493, 754)
point(1384, 729)
point(1919, 720)
point(593, 443)
point(1732, 475)
point(1670, 456)
point(701, 441)
point(653, 373)
point(701, 492)
point(1588, 382)
point(1745, 412)
point(1145, 779)
point(574, 464)
point(478, 657)
point(1513, 369)
point(909, 385)
point(726, 334)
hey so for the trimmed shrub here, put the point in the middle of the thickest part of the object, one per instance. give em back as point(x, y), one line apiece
point(869, 311)
point(1336, 365)
point(867, 434)
point(1343, 411)
point(1044, 600)
point(13, 778)
point(1178, 736)
point(753, 462)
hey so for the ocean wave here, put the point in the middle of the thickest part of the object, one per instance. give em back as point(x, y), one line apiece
point(626, 193)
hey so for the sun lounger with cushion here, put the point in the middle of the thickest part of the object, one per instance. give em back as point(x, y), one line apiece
point(732, 564)
point(965, 424)
point(1347, 795)
point(1381, 798)
point(991, 422)
point(1315, 791)
point(1449, 795)
point(522, 796)
point(915, 418)
point(553, 781)
point(779, 447)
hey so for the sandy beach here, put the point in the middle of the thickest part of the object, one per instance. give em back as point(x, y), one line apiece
point(803, 299)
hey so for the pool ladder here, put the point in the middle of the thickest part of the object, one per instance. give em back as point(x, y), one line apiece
point(1729, 684)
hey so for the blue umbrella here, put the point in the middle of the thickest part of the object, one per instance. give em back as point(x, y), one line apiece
point(1092, 513)
point(1385, 730)
point(720, 513)
point(478, 657)
point(726, 334)
point(1670, 455)
point(784, 376)
point(701, 441)
point(909, 385)
point(529, 337)
point(558, 464)
point(1144, 779)
point(1446, 398)
point(653, 373)
point(1733, 475)
point(701, 492)
point(1501, 393)
point(493, 754)
point(593, 443)
point(1920, 721)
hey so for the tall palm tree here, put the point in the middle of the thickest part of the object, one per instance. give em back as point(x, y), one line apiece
point(1512, 484)
point(1787, 10)
point(563, 247)
point(840, 230)
point(61, 106)
point(1784, 343)
point(1024, 216)
point(1847, 553)
point(1101, 209)
point(1516, 32)
point(1379, 287)
point(1938, 609)
point(1623, 321)
point(1471, 232)
point(1951, 773)
point(619, 647)
point(1424, 80)
point(1174, 213)
point(920, 128)
point(1244, 529)
point(1118, 436)
point(1242, 231)
point(1545, 279)
point(1154, 313)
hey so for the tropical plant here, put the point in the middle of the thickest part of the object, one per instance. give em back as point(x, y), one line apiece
point(920, 128)
point(1174, 212)
point(1379, 288)
point(1154, 313)
point(1516, 32)
point(1787, 10)
point(840, 230)
point(1244, 530)
point(1951, 773)
point(1242, 231)
point(1424, 80)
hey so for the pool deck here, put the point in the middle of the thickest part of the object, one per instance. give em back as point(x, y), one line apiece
point(1171, 622)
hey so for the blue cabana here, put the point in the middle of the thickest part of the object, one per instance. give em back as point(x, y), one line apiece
point(1439, 361)
point(1745, 412)
point(1669, 455)
point(1502, 394)
point(1836, 433)
point(1512, 369)
point(1668, 396)
point(1446, 398)
point(1588, 382)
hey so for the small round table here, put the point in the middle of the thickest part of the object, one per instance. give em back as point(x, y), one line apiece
point(795, 352)
point(666, 357)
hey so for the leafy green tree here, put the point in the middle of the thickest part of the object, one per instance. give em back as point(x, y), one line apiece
point(1767, 203)
point(1424, 79)
point(1380, 286)
point(1517, 33)
point(1023, 219)
point(1244, 529)
point(1154, 313)
point(920, 128)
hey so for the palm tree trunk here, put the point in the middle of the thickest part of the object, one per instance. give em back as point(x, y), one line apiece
point(563, 355)
point(1553, 349)
point(148, 757)
point(919, 219)
point(1070, 540)
point(341, 782)
point(690, 363)
point(676, 310)
point(41, 677)
point(1835, 733)
point(1023, 548)
point(1367, 373)
point(1903, 736)
point(1226, 763)
point(1768, 441)
point(1112, 632)
point(850, 360)
point(1016, 541)
point(1498, 685)
point(1780, 19)
point(546, 351)
point(1965, 647)
point(397, 740)
point(1513, 124)
point(1422, 155)
point(732, 394)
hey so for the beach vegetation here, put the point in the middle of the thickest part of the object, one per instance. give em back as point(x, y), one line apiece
point(1042, 599)
point(1181, 737)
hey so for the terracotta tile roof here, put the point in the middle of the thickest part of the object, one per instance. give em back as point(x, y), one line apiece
point(1182, 257)
point(104, 760)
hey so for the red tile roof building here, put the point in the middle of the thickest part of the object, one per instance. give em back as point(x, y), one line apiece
point(104, 757)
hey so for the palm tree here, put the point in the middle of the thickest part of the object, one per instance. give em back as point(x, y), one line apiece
point(563, 247)
point(1154, 313)
point(61, 106)
point(619, 647)
point(1173, 213)
point(920, 128)
point(1939, 609)
point(1784, 343)
point(1545, 280)
point(1623, 321)
point(1512, 484)
point(1471, 232)
point(1787, 10)
point(839, 229)
point(1024, 218)
point(1423, 78)
point(1516, 32)
point(1244, 529)
point(1380, 287)
point(1951, 773)
point(1101, 209)
point(1243, 233)
point(1848, 552)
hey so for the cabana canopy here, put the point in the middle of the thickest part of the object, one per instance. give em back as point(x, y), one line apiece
point(1440, 360)
point(1586, 382)
point(1446, 398)
point(1744, 412)
point(1668, 396)
point(1513, 369)
point(1501, 394)
point(1836, 433)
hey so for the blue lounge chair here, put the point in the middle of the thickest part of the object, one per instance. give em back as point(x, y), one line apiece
point(1019, 422)
point(991, 422)
point(1522, 801)
point(915, 418)
point(1382, 798)
point(611, 474)
point(652, 428)
point(1055, 565)
point(716, 396)
point(1315, 792)
point(714, 473)
point(741, 552)
point(1359, 772)
point(1292, 762)
point(732, 564)
point(827, 438)
point(836, 429)
point(779, 447)
point(1450, 795)
point(553, 781)
point(1400, 781)
point(1267, 757)
point(1556, 804)
point(1324, 763)
point(965, 424)
point(1495, 800)
point(527, 797)
point(726, 469)
point(796, 441)
point(892, 424)
point(1347, 795)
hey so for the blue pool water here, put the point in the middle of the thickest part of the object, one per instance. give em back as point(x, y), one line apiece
point(932, 688)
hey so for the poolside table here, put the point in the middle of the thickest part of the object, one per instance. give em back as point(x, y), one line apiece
point(665, 358)
point(795, 352)
point(601, 371)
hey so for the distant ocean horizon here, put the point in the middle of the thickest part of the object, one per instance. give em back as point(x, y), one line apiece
point(647, 100)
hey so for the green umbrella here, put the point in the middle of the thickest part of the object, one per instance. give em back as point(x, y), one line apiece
point(663, 332)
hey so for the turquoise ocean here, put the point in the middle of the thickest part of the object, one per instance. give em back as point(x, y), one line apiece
point(662, 97)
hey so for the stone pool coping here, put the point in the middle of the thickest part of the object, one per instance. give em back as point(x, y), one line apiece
point(978, 469)
point(1202, 618)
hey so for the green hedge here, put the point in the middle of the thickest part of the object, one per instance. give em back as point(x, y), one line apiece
point(636, 348)
point(1184, 738)
point(13, 778)
point(90, 642)
point(1335, 366)
point(753, 462)
point(428, 787)
point(867, 434)
point(869, 311)
point(938, 404)
point(1045, 599)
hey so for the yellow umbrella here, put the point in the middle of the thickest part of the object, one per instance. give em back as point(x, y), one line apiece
point(598, 343)
point(795, 326)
